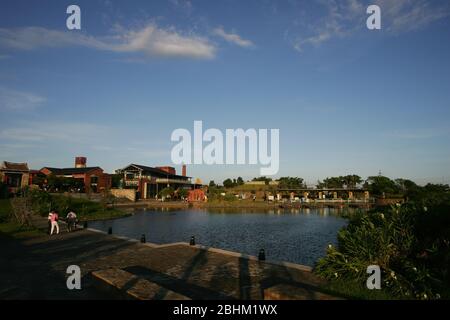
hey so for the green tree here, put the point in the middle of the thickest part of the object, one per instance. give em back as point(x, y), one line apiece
point(212, 183)
point(116, 180)
point(3, 190)
point(166, 192)
point(351, 180)
point(240, 181)
point(381, 185)
point(182, 193)
point(333, 182)
point(228, 183)
point(291, 183)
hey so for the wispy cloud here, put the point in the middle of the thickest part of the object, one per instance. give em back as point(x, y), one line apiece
point(409, 15)
point(419, 134)
point(184, 5)
point(232, 38)
point(150, 40)
point(19, 100)
point(66, 132)
point(345, 18)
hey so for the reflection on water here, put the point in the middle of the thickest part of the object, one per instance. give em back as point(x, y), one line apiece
point(295, 235)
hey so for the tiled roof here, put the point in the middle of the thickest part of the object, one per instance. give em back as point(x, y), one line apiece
point(70, 171)
point(157, 172)
point(13, 166)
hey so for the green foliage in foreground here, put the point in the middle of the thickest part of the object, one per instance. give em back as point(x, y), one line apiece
point(17, 231)
point(5, 210)
point(411, 244)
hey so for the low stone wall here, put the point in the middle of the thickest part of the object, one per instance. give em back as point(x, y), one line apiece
point(129, 194)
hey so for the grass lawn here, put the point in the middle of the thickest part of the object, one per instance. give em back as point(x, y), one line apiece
point(356, 291)
point(13, 229)
point(5, 210)
point(103, 214)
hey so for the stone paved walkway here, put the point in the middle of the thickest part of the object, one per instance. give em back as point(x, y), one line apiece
point(36, 268)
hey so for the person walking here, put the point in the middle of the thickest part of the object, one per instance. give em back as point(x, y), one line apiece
point(49, 219)
point(54, 220)
point(71, 220)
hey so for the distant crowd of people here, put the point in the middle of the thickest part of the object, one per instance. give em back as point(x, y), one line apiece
point(53, 217)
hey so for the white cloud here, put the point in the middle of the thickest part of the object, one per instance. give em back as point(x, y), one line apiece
point(150, 40)
point(344, 18)
point(232, 38)
point(18, 100)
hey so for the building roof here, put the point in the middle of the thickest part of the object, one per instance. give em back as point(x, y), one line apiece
point(13, 166)
point(70, 171)
point(155, 171)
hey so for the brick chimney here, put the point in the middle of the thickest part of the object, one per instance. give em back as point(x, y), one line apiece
point(183, 170)
point(80, 162)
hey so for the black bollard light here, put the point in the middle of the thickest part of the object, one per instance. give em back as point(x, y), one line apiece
point(262, 255)
point(110, 230)
point(143, 238)
point(192, 241)
point(85, 225)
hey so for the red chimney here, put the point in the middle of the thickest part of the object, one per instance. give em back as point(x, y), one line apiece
point(183, 170)
point(80, 162)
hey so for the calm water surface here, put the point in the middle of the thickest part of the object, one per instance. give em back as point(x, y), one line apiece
point(299, 236)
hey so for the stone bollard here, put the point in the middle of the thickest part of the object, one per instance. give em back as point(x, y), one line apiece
point(110, 230)
point(262, 255)
point(192, 241)
point(143, 238)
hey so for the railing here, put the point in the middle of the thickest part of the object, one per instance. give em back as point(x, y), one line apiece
point(135, 182)
point(342, 200)
point(165, 180)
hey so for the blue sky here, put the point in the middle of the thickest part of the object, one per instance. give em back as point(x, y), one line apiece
point(346, 99)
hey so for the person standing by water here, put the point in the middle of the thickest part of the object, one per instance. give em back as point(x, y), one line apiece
point(49, 219)
point(54, 220)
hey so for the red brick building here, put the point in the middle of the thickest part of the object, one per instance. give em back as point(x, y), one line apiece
point(93, 178)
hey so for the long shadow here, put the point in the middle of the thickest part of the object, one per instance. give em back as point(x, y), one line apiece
point(245, 280)
point(79, 249)
point(178, 285)
point(26, 275)
point(282, 275)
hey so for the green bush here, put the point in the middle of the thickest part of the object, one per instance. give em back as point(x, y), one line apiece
point(3, 191)
point(230, 197)
point(410, 244)
point(5, 210)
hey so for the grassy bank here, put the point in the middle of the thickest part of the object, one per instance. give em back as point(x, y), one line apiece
point(352, 290)
point(11, 228)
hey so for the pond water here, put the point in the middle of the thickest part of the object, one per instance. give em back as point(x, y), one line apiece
point(299, 236)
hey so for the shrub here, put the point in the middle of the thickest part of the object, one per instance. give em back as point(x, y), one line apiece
point(230, 197)
point(411, 246)
point(3, 191)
